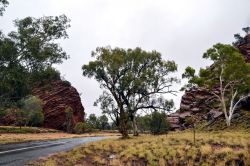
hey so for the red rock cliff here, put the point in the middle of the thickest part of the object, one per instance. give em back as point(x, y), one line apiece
point(56, 97)
point(198, 102)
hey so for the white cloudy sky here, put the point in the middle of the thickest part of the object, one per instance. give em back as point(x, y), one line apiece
point(180, 29)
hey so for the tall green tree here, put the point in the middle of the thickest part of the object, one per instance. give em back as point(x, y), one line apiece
point(27, 55)
point(35, 41)
point(229, 73)
point(134, 79)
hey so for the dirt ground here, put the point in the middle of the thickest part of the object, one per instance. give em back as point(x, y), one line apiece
point(17, 138)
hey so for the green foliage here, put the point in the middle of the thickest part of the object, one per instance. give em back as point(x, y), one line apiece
point(189, 73)
point(229, 73)
point(3, 5)
point(159, 123)
point(246, 30)
point(79, 128)
point(68, 119)
point(134, 79)
point(34, 40)
point(33, 111)
point(92, 121)
point(27, 55)
point(46, 75)
point(103, 122)
point(229, 66)
point(228, 60)
point(239, 39)
point(143, 123)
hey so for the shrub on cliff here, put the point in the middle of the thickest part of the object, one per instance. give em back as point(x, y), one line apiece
point(33, 111)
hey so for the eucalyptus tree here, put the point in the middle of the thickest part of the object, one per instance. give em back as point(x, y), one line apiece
point(133, 80)
point(229, 72)
point(28, 53)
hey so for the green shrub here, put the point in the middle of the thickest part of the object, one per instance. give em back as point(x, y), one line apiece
point(159, 123)
point(79, 128)
point(32, 111)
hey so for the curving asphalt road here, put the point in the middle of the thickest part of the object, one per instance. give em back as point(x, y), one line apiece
point(19, 154)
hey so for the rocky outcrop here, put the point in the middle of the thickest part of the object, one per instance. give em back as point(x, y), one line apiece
point(200, 103)
point(57, 96)
point(244, 47)
point(196, 102)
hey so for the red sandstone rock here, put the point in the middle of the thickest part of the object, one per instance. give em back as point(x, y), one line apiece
point(198, 102)
point(57, 96)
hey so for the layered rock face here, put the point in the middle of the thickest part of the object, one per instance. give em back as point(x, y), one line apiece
point(200, 103)
point(57, 96)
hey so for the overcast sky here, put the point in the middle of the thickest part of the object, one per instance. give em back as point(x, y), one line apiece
point(182, 30)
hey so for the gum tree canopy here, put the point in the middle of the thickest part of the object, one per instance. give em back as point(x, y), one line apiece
point(229, 72)
point(133, 80)
point(29, 53)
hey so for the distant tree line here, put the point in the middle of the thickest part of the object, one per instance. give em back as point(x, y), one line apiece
point(155, 123)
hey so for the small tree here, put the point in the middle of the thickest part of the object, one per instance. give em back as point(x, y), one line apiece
point(103, 122)
point(21, 118)
point(68, 119)
point(229, 74)
point(92, 120)
point(159, 123)
point(143, 122)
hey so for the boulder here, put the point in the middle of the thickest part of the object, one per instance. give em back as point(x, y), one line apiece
point(57, 96)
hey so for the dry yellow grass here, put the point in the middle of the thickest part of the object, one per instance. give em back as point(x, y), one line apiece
point(176, 148)
point(17, 138)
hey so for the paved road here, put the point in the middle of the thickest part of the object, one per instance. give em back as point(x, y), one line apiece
point(19, 154)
